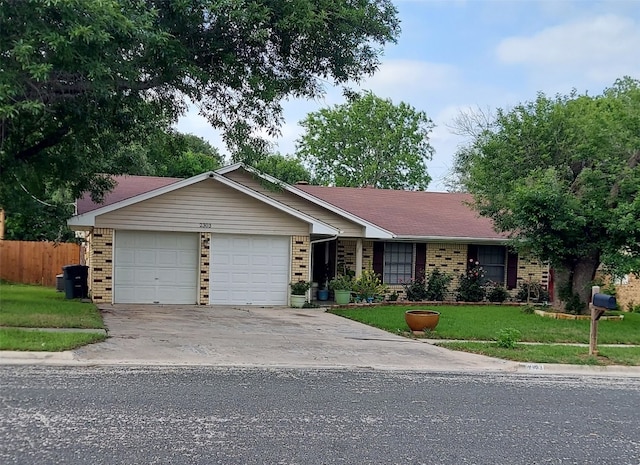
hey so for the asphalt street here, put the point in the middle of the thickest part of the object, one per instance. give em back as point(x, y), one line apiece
point(204, 415)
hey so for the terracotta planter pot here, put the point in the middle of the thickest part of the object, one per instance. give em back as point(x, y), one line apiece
point(420, 320)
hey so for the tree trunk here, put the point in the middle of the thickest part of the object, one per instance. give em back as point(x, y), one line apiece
point(577, 277)
point(583, 274)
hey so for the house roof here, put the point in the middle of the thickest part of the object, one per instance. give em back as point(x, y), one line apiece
point(131, 184)
point(393, 213)
point(126, 188)
point(411, 213)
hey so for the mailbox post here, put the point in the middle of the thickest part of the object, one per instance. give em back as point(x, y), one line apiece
point(599, 304)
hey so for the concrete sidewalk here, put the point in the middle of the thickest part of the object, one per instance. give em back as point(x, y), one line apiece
point(271, 337)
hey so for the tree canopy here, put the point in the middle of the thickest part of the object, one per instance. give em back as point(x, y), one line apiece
point(562, 176)
point(284, 168)
point(368, 141)
point(79, 77)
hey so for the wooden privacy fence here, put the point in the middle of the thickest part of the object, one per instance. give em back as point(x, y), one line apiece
point(36, 262)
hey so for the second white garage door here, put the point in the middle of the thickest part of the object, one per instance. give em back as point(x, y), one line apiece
point(249, 270)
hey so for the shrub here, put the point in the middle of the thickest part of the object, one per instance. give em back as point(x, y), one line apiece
point(508, 338)
point(300, 288)
point(536, 293)
point(496, 292)
point(528, 309)
point(416, 289)
point(438, 285)
point(470, 288)
point(368, 285)
point(341, 283)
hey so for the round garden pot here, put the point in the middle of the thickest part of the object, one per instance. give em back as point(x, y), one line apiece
point(342, 297)
point(323, 294)
point(421, 320)
point(297, 301)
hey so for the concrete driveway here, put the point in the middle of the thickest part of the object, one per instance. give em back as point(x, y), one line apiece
point(263, 337)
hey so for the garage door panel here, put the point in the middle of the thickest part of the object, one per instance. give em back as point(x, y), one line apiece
point(250, 270)
point(156, 267)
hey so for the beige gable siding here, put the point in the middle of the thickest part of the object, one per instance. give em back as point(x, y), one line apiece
point(207, 206)
point(347, 227)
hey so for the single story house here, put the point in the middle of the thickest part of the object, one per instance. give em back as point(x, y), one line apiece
point(237, 236)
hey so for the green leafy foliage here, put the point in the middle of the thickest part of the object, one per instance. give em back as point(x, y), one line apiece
point(80, 77)
point(367, 141)
point(289, 170)
point(471, 285)
point(496, 292)
point(562, 176)
point(368, 285)
point(300, 287)
point(434, 287)
point(508, 338)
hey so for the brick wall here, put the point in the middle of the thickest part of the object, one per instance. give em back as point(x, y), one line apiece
point(300, 258)
point(449, 258)
point(101, 265)
point(628, 293)
point(205, 262)
point(347, 254)
point(367, 255)
point(532, 269)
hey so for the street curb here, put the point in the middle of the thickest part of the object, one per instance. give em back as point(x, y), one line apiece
point(68, 358)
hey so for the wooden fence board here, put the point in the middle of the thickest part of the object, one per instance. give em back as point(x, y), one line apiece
point(36, 262)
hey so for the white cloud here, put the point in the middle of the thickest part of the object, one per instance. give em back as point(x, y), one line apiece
point(404, 79)
point(602, 48)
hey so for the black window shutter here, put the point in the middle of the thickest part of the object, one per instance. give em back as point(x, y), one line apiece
point(421, 260)
point(378, 258)
point(512, 270)
point(472, 254)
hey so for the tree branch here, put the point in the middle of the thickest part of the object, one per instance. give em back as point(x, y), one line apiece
point(49, 141)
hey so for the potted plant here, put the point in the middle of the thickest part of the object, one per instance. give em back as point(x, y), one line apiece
point(298, 293)
point(422, 320)
point(368, 286)
point(341, 286)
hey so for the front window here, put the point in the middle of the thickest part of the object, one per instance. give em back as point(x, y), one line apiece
point(492, 259)
point(398, 262)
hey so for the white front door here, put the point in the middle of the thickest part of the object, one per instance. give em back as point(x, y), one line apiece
point(249, 270)
point(156, 267)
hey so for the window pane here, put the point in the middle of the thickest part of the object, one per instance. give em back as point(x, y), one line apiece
point(492, 259)
point(398, 262)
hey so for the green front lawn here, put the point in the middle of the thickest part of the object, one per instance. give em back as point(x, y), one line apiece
point(482, 323)
point(45, 341)
point(42, 307)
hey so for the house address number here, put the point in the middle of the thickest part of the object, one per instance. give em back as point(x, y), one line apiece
point(205, 225)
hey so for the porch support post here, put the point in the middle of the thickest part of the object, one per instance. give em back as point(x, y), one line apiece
point(358, 258)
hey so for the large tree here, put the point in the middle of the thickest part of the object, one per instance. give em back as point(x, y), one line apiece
point(562, 176)
point(284, 168)
point(368, 141)
point(78, 77)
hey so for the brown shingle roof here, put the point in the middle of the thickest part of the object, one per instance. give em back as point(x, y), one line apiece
point(410, 213)
point(126, 187)
point(404, 213)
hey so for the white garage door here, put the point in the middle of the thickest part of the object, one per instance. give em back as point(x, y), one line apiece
point(249, 270)
point(156, 267)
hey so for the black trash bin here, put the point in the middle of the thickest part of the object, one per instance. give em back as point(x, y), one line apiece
point(75, 281)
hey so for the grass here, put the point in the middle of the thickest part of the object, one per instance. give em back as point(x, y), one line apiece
point(45, 341)
point(25, 306)
point(482, 323)
point(42, 307)
point(550, 353)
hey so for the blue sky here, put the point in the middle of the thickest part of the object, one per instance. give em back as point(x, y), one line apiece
point(457, 55)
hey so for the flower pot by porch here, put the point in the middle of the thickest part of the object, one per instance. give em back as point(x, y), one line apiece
point(342, 297)
point(421, 320)
point(323, 294)
point(297, 301)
